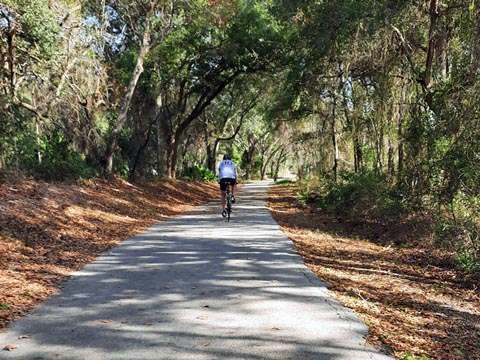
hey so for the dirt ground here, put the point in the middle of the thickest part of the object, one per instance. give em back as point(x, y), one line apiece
point(394, 277)
point(49, 230)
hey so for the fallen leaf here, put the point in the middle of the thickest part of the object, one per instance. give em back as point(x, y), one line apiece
point(10, 347)
point(275, 328)
point(206, 344)
point(106, 321)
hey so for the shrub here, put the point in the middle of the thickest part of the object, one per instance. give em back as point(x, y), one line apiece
point(459, 230)
point(284, 182)
point(358, 195)
point(199, 173)
point(58, 161)
point(367, 194)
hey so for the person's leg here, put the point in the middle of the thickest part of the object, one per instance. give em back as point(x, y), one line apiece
point(223, 189)
point(223, 200)
point(233, 193)
point(234, 187)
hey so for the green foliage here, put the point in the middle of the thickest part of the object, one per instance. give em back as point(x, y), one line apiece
point(367, 195)
point(303, 194)
point(40, 29)
point(284, 182)
point(5, 307)
point(411, 357)
point(58, 161)
point(121, 167)
point(124, 66)
point(459, 229)
point(199, 173)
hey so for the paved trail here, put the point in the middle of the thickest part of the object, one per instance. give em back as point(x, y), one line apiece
point(195, 287)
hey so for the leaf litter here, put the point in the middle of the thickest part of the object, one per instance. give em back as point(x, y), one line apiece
point(414, 301)
point(49, 230)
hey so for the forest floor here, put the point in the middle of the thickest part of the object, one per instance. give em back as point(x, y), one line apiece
point(49, 230)
point(393, 276)
point(412, 299)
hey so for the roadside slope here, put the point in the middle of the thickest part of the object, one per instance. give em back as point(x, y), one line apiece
point(409, 296)
point(49, 230)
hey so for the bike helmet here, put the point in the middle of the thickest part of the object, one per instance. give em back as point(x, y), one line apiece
point(226, 157)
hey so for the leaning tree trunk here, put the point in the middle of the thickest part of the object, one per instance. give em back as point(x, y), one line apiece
point(281, 158)
point(125, 105)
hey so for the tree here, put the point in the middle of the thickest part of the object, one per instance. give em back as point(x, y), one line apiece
point(52, 83)
point(30, 37)
point(224, 125)
point(143, 25)
point(202, 62)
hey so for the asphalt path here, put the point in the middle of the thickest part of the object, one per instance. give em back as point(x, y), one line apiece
point(195, 287)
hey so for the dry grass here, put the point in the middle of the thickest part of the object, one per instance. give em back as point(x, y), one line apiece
point(411, 297)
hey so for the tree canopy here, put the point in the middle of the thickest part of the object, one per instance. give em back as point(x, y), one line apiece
point(330, 89)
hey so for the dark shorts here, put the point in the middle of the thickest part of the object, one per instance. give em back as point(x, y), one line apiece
point(223, 183)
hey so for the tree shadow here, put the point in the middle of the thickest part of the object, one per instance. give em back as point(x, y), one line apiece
point(195, 287)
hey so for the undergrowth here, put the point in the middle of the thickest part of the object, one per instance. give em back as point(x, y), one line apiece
point(363, 196)
point(372, 197)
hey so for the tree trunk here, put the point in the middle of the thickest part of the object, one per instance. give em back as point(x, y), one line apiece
point(125, 105)
point(281, 157)
point(351, 122)
point(476, 51)
point(140, 152)
point(37, 137)
point(401, 146)
point(247, 160)
point(212, 151)
point(171, 160)
point(210, 157)
point(390, 160)
point(11, 60)
point(334, 138)
point(158, 147)
point(432, 36)
point(358, 154)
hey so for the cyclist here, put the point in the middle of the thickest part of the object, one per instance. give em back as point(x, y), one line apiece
point(227, 172)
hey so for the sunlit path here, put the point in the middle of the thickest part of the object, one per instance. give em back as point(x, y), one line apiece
point(195, 287)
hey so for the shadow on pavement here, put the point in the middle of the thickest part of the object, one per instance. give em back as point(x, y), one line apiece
point(194, 287)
